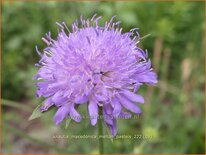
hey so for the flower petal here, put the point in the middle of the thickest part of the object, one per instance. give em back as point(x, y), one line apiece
point(47, 104)
point(58, 99)
point(129, 105)
point(147, 77)
point(124, 115)
point(81, 99)
point(132, 96)
point(107, 118)
point(108, 108)
point(113, 127)
point(93, 111)
point(61, 113)
point(117, 107)
point(74, 114)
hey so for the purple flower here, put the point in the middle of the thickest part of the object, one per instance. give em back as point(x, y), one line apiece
point(93, 65)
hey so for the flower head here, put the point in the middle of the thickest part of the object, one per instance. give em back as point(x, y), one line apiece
point(98, 66)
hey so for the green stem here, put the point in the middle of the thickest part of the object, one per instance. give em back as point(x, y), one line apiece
point(100, 132)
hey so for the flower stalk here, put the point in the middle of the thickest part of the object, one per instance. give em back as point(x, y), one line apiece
point(100, 132)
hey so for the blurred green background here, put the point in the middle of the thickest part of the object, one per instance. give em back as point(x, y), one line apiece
point(173, 114)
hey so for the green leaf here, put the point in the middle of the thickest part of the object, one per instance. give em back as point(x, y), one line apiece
point(68, 121)
point(108, 132)
point(36, 113)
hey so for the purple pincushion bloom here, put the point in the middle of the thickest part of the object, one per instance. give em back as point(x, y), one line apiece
point(93, 65)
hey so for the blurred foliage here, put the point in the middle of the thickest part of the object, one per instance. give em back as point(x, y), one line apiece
point(175, 122)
